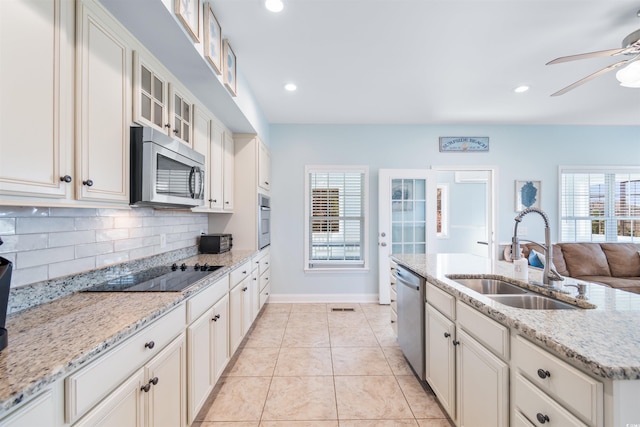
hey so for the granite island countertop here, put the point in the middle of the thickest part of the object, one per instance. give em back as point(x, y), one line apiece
point(604, 340)
point(48, 341)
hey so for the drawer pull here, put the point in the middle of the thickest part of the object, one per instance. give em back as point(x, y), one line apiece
point(150, 345)
point(393, 321)
point(393, 300)
point(216, 317)
point(543, 374)
point(542, 418)
point(244, 289)
point(456, 342)
point(447, 334)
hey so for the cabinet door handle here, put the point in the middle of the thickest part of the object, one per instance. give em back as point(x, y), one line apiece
point(153, 381)
point(65, 178)
point(88, 183)
point(542, 418)
point(176, 131)
point(543, 374)
point(168, 125)
point(244, 289)
point(216, 317)
point(447, 334)
point(456, 342)
point(149, 345)
point(146, 387)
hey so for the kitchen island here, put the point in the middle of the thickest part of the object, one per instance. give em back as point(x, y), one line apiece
point(603, 342)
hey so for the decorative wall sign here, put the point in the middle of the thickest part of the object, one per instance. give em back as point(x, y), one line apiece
point(528, 194)
point(464, 143)
point(212, 39)
point(188, 11)
point(230, 68)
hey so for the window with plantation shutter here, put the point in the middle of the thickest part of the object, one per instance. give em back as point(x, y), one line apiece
point(600, 205)
point(335, 217)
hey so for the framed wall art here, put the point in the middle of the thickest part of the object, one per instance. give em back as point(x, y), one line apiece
point(230, 68)
point(464, 143)
point(212, 39)
point(188, 12)
point(528, 194)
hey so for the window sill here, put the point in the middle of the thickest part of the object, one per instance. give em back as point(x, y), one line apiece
point(337, 270)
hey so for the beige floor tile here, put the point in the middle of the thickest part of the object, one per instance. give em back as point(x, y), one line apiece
point(264, 336)
point(254, 362)
point(381, 318)
point(378, 423)
point(435, 422)
point(314, 423)
point(348, 320)
point(352, 337)
point(306, 336)
point(301, 398)
point(227, 424)
point(385, 335)
point(239, 399)
point(422, 403)
point(309, 308)
point(397, 361)
point(298, 362)
point(370, 397)
point(307, 318)
point(359, 361)
point(277, 307)
point(275, 319)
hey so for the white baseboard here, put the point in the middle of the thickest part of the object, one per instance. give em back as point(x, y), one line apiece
point(323, 298)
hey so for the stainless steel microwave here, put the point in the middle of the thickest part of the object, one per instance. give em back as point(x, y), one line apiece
point(164, 171)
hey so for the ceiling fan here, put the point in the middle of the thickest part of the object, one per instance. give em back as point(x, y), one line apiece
point(630, 46)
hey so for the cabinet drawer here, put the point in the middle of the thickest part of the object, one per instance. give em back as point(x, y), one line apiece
point(492, 334)
point(238, 275)
point(534, 403)
point(394, 299)
point(89, 385)
point(264, 263)
point(264, 279)
point(264, 295)
point(576, 390)
point(203, 300)
point(439, 299)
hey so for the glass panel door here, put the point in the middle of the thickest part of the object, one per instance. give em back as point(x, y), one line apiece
point(408, 216)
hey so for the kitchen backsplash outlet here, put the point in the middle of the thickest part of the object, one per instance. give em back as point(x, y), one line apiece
point(46, 243)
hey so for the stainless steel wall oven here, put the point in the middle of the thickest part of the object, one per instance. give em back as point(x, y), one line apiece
point(264, 221)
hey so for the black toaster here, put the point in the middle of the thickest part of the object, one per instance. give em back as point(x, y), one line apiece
point(215, 243)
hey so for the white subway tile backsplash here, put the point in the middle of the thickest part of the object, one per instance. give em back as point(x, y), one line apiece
point(71, 238)
point(72, 267)
point(43, 225)
point(47, 243)
point(44, 256)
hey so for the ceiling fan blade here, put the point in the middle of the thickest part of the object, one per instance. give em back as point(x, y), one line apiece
point(597, 54)
point(593, 76)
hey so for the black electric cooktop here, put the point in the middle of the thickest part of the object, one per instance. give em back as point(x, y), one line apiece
point(174, 278)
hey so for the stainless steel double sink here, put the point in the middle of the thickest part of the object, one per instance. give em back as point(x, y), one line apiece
point(512, 295)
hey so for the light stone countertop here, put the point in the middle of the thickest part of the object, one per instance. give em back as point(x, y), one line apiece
point(604, 340)
point(49, 341)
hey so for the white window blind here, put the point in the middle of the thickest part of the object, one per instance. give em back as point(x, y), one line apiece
point(335, 217)
point(600, 205)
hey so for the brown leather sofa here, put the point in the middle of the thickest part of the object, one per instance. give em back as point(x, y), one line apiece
point(612, 264)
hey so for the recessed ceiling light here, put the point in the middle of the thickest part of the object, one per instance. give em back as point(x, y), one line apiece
point(290, 87)
point(274, 5)
point(521, 89)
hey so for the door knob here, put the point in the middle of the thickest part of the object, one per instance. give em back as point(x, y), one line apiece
point(383, 244)
point(383, 234)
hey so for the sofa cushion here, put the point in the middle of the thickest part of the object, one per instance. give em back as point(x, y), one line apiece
point(558, 258)
point(623, 259)
point(585, 259)
point(629, 284)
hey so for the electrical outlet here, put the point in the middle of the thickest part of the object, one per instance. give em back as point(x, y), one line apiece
point(522, 231)
point(163, 240)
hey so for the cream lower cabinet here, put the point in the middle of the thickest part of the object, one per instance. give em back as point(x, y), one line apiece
point(154, 395)
point(466, 361)
point(41, 411)
point(393, 315)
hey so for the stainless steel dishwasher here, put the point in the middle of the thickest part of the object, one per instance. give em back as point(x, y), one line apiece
point(411, 300)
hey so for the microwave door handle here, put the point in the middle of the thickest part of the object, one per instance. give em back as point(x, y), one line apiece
point(201, 186)
point(191, 172)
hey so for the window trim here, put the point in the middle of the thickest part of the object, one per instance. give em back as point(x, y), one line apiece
point(589, 169)
point(308, 169)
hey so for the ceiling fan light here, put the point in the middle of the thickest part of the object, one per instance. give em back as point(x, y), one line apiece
point(274, 5)
point(629, 76)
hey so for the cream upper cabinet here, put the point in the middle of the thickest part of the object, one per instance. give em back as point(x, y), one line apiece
point(264, 166)
point(36, 114)
point(181, 113)
point(228, 171)
point(104, 109)
point(150, 94)
point(216, 168)
point(159, 103)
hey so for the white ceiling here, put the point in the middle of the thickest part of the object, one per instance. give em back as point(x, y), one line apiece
point(432, 61)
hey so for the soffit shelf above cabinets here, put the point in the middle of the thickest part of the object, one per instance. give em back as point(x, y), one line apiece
point(156, 28)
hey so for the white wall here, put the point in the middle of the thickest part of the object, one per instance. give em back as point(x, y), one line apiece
point(46, 243)
point(518, 152)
